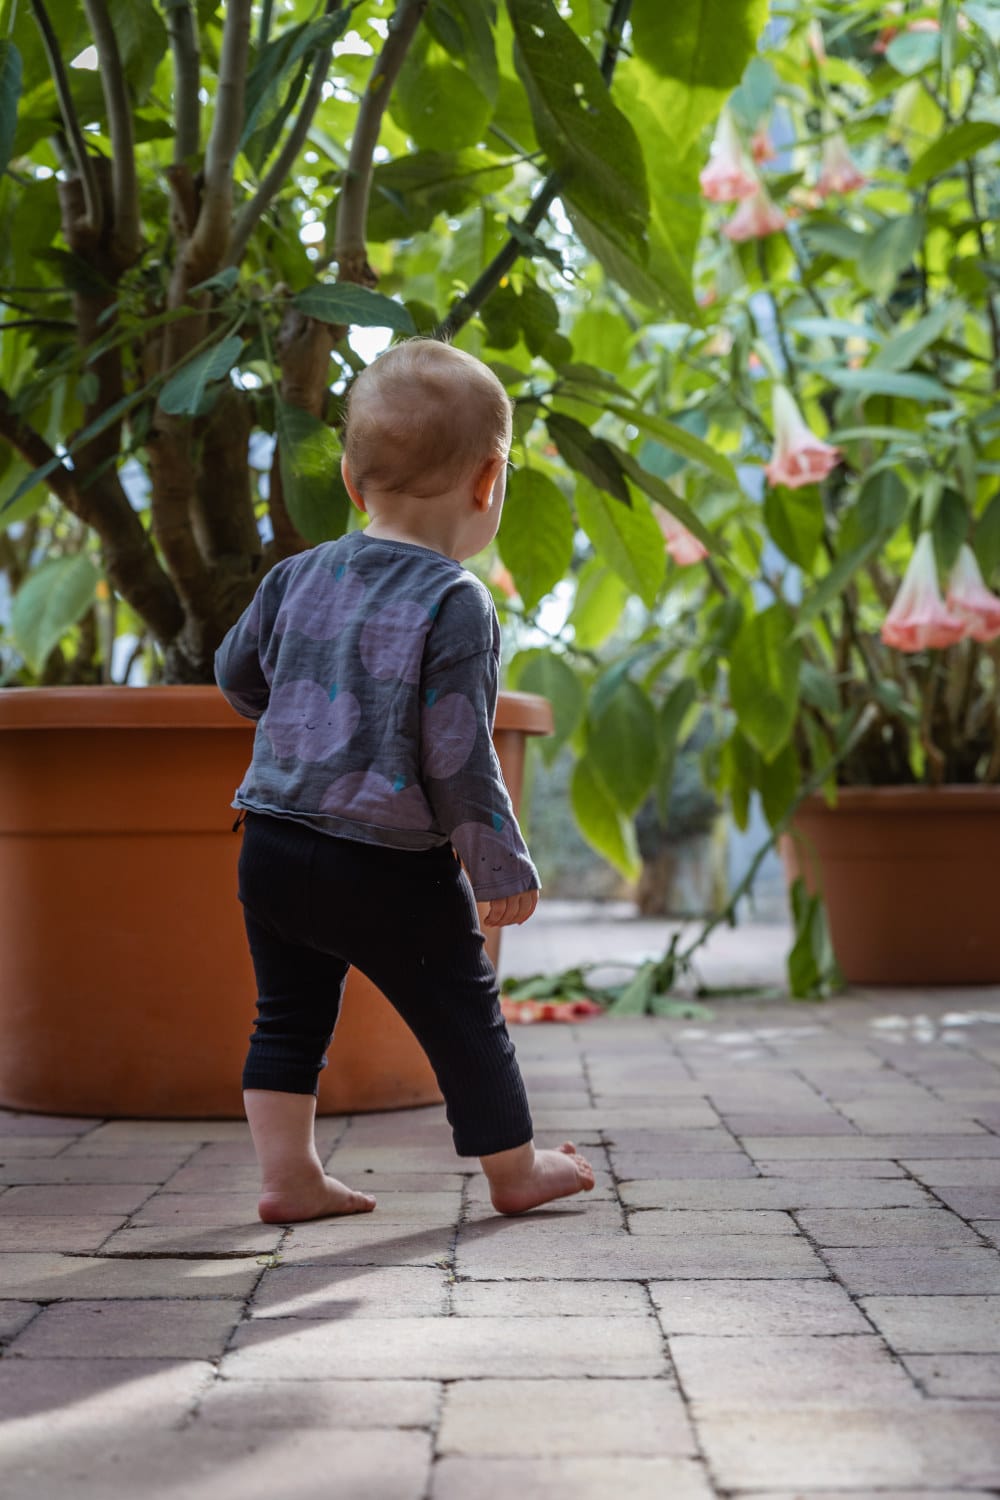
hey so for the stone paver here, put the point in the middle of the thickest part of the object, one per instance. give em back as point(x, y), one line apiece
point(786, 1284)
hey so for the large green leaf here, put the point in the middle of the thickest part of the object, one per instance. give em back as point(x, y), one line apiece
point(536, 534)
point(601, 597)
point(823, 592)
point(462, 27)
point(49, 603)
point(986, 539)
point(673, 713)
point(622, 747)
point(703, 43)
point(907, 344)
point(437, 100)
point(626, 537)
point(409, 192)
point(586, 138)
point(600, 822)
point(679, 440)
point(764, 678)
point(956, 145)
point(888, 250)
point(10, 92)
point(795, 520)
point(142, 42)
point(590, 456)
point(657, 489)
point(314, 491)
point(357, 306)
point(874, 381)
point(547, 673)
point(184, 391)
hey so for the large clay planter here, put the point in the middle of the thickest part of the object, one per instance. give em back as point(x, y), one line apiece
point(909, 879)
point(125, 983)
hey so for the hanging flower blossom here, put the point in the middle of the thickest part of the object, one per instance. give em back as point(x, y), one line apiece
point(682, 545)
point(755, 218)
point(729, 175)
point(761, 146)
point(970, 599)
point(919, 617)
point(502, 579)
point(922, 23)
point(799, 456)
point(839, 172)
point(817, 46)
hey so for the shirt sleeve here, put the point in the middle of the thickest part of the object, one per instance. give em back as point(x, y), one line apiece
point(460, 770)
point(238, 670)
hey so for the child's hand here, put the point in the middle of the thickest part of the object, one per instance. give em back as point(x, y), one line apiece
point(510, 911)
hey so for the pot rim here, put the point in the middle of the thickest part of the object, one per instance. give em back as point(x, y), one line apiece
point(198, 706)
point(904, 799)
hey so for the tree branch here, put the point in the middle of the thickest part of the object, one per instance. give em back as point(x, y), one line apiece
point(183, 32)
point(94, 208)
point(129, 558)
point(250, 215)
point(507, 256)
point(125, 229)
point(349, 248)
point(207, 245)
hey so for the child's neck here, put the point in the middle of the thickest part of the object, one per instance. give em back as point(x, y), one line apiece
point(389, 531)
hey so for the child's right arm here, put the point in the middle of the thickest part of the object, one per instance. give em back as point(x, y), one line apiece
point(238, 670)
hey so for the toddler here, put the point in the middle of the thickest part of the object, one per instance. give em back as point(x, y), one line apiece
point(371, 666)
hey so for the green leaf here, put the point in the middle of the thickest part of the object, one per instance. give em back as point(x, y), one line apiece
point(679, 440)
point(626, 538)
point(601, 597)
point(676, 707)
point(622, 747)
point(889, 250)
point(911, 51)
point(49, 603)
point(764, 678)
point(184, 391)
point(600, 822)
point(546, 673)
point(986, 539)
point(356, 306)
point(657, 489)
point(907, 344)
point(818, 689)
point(872, 381)
point(536, 534)
point(264, 104)
point(10, 93)
point(313, 489)
point(587, 139)
point(795, 520)
point(408, 193)
point(951, 528)
point(835, 328)
point(828, 588)
point(812, 967)
point(590, 456)
point(956, 145)
point(463, 28)
point(636, 997)
point(142, 42)
point(222, 281)
point(780, 782)
point(438, 100)
point(703, 43)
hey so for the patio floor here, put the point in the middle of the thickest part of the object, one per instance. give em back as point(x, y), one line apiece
point(787, 1283)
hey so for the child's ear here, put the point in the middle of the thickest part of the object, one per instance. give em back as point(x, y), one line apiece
point(352, 489)
point(482, 486)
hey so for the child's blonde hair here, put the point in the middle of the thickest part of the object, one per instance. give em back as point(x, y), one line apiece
point(421, 417)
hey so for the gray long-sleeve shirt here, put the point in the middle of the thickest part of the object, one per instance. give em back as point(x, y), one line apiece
point(372, 669)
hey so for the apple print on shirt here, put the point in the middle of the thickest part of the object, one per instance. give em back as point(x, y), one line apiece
point(307, 721)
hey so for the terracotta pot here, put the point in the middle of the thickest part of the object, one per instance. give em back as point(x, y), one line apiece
point(908, 875)
point(125, 983)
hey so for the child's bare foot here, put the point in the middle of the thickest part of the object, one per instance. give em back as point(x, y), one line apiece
point(318, 1197)
point(526, 1178)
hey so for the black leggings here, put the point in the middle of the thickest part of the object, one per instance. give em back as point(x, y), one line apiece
point(314, 905)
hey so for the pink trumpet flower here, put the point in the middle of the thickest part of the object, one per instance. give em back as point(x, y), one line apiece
point(729, 175)
point(839, 172)
point(682, 545)
point(919, 617)
point(755, 218)
point(761, 146)
point(799, 456)
point(970, 599)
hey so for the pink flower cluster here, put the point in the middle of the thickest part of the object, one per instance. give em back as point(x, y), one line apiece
point(920, 619)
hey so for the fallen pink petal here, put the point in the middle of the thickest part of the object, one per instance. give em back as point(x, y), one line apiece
point(970, 599)
point(920, 619)
point(799, 457)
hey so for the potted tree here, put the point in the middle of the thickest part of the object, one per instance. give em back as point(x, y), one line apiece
point(201, 198)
